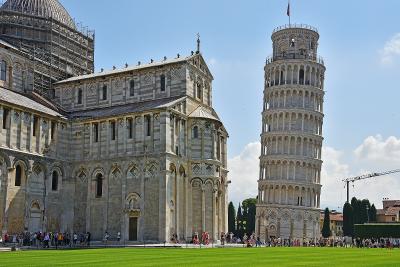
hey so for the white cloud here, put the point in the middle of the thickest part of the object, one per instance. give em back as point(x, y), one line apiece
point(390, 50)
point(333, 171)
point(244, 172)
point(375, 154)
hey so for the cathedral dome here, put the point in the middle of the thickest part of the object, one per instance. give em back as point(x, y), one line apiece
point(41, 8)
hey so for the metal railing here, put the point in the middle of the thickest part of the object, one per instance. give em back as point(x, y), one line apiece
point(295, 26)
point(288, 56)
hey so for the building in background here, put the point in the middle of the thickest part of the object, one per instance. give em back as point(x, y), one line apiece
point(390, 212)
point(336, 222)
point(137, 150)
point(290, 163)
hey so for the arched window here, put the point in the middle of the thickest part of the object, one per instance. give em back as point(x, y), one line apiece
point(18, 175)
point(99, 185)
point(195, 132)
point(3, 71)
point(301, 75)
point(54, 181)
point(104, 96)
point(199, 92)
point(132, 88)
point(80, 96)
point(162, 81)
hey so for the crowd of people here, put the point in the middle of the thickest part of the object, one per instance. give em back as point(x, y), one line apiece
point(47, 239)
point(76, 240)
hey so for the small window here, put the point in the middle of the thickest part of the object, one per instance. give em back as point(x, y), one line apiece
point(113, 130)
point(132, 88)
point(35, 126)
point(199, 92)
point(162, 82)
point(80, 96)
point(6, 118)
point(96, 132)
point(148, 125)
point(104, 94)
point(53, 130)
point(54, 181)
point(99, 185)
point(195, 132)
point(3, 71)
point(130, 128)
point(18, 175)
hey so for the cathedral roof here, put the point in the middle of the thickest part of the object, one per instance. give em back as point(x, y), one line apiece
point(126, 109)
point(128, 69)
point(204, 113)
point(41, 8)
point(24, 102)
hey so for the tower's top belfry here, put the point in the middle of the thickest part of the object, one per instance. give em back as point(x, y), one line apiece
point(295, 41)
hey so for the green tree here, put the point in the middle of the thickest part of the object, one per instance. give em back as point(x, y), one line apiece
point(231, 217)
point(326, 227)
point(239, 221)
point(372, 213)
point(249, 215)
point(356, 204)
point(348, 225)
point(364, 211)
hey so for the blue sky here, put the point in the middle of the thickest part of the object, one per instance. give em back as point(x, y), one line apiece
point(362, 92)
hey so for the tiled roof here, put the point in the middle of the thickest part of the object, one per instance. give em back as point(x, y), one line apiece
point(128, 69)
point(126, 109)
point(14, 98)
point(202, 112)
point(391, 211)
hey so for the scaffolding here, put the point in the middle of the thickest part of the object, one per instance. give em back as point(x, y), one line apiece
point(58, 51)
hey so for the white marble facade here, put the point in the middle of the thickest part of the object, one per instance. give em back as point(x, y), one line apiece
point(289, 185)
point(137, 150)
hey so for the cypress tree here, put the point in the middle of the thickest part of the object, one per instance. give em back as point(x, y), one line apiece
point(348, 225)
point(372, 213)
point(249, 215)
point(364, 211)
point(231, 217)
point(326, 227)
point(239, 221)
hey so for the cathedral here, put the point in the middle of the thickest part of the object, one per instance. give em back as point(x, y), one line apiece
point(137, 150)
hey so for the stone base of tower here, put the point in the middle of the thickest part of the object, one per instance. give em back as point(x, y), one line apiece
point(287, 222)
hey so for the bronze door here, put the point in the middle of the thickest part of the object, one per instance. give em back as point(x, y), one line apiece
point(133, 228)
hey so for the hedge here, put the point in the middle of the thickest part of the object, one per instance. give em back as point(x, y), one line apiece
point(377, 230)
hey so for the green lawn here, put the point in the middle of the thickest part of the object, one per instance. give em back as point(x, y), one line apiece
point(205, 257)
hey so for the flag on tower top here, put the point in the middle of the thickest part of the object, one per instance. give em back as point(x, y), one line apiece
point(288, 9)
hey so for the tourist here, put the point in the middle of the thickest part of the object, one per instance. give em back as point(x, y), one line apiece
point(46, 241)
point(119, 236)
point(74, 239)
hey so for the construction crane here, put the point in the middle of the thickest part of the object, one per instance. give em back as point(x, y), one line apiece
point(365, 176)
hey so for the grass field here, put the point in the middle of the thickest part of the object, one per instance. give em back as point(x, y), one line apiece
point(204, 257)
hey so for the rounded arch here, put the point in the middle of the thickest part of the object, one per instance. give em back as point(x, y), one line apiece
point(96, 171)
point(196, 180)
point(24, 163)
point(182, 171)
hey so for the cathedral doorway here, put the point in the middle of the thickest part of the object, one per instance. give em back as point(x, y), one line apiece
point(35, 218)
point(133, 226)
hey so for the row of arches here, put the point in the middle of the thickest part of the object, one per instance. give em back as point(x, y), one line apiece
point(290, 121)
point(293, 99)
point(21, 175)
point(291, 145)
point(289, 195)
point(290, 171)
point(295, 74)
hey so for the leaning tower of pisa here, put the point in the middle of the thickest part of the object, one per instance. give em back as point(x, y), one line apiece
point(289, 185)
